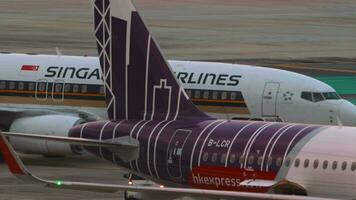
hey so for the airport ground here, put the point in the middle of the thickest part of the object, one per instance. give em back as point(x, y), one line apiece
point(82, 168)
point(316, 38)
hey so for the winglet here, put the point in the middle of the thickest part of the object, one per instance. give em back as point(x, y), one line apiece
point(11, 158)
point(14, 162)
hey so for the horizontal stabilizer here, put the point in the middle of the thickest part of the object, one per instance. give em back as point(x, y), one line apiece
point(124, 141)
point(126, 148)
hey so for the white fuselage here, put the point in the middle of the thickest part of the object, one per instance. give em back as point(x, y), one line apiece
point(223, 90)
point(325, 165)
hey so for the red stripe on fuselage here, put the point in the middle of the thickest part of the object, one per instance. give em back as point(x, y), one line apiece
point(221, 178)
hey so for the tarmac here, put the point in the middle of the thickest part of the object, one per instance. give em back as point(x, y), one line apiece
point(316, 38)
point(193, 29)
point(73, 168)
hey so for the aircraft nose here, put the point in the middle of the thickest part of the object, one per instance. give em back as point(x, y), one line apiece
point(347, 113)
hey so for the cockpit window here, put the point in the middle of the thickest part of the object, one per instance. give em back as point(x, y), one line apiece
point(307, 96)
point(331, 95)
point(317, 96)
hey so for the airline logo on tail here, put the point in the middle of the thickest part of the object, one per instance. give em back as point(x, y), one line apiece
point(144, 86)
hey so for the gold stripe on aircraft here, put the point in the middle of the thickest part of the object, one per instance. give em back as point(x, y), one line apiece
point(50, 101)
point(218, 101)
point(50, 93)
point(222, 109)
point(102, 104)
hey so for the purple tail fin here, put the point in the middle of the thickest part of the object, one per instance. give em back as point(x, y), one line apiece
point(138, 80)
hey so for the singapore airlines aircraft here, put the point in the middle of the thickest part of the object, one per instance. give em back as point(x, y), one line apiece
point(222, 90)
point(156, 131)
point(69, 90)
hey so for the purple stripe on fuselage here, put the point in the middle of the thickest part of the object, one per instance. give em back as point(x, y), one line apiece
point(241, 141)
point(198, 139)
point(260, 143)
point(279, 146)
point(107, 133)
point(302, 135)
point(151, 128)
point(219, 143)
point(174, 147)
point(166, 136)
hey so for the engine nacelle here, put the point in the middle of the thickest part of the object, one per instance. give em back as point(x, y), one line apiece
point(56, 125)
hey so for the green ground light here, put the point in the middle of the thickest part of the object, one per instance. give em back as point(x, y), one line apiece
point(58, 183)
point(344, 85)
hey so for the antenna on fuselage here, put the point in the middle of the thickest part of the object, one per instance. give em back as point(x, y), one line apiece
point(59, 53)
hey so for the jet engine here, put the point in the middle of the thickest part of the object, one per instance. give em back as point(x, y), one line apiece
point(55, 125)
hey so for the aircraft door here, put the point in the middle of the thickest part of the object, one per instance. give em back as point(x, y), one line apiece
point(41, 91)
point(174, 153)
point(58, 90)
point(269, 99)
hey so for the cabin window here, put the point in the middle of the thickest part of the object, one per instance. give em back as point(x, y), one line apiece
point(232, 158)
point(325, 164)
point(279, 162)
point(224, 95)
point(296, 162)
point(353, 166)
point(316, 164)
point(214, 157)
point(205, 156)
point(223, 158)
point(197, 94)
point(233, 96)
point(67, 88)
point(259, 160)
point(75, 88)
point(215, 95)
point(331, 95)
point(101, 90)
point(31, 86)
point(241, 159)
point(317, 97)
point(84, 89)
point(250, 160)
point(206, 94)
point(307, 96)
point(334, 165)
point(41, 87)
point(269, 161)
point(58, 87)
point(287, 162)
point(21, 85)
point(2, 85)
point(306, 163)
point(12, 85)
point(343, 166)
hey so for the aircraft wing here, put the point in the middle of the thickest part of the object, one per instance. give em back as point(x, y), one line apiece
point(17, 168)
